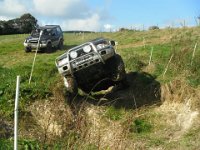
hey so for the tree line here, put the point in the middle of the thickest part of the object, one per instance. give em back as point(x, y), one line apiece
point(25, 24)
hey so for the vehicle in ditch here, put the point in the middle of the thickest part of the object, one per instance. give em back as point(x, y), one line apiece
point(92, 66)
point(51, 37)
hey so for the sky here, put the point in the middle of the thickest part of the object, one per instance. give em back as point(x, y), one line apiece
point(104, 15)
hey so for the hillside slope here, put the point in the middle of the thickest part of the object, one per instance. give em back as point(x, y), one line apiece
point(160, 109)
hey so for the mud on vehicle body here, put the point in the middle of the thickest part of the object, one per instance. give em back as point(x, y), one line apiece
point(52, 37)
point(92, 66)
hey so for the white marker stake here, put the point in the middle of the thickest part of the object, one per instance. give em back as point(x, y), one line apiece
point(16, 112)
point(193, 54)
point(168, 65)
point(151, 55)
point(41, 32)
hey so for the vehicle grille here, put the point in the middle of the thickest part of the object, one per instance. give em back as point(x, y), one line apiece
point(80, 53)
point(80, 59)
point(84, 61)
point(33, 41)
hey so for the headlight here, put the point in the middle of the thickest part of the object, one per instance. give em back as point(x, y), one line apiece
point(73, 54)
point(62, 61)
point(100, 46)
point(87, 48)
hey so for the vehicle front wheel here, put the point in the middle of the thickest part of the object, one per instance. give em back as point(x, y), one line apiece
point(71, 87)
point(118, 72)
point(27, 49)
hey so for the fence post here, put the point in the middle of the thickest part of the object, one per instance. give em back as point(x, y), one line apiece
point(41, 32)
point(16, 113)
point(168, 65)
point(144, 42)
point(193, 54)
point(151, 55)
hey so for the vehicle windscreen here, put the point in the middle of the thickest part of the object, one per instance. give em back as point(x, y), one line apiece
point(37, 32)
point(47, 31)
point(101, 44)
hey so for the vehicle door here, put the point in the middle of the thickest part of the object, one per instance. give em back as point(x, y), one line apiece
point(55, 37)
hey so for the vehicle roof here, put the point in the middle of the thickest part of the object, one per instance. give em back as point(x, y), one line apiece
point(97, 39)
point(91, 41)
point(48, 27)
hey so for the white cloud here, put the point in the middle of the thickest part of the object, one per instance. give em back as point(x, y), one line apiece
point(107, 26)
point(4, 18)
point(10, 8)
point(91, 23)
point(61, 8)
point(51, 7)
point(70, 14)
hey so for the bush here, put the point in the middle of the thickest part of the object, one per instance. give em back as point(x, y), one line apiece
point(153, 28)
point(25, 24)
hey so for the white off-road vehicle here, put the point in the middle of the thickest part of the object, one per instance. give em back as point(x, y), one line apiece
point(92, 66)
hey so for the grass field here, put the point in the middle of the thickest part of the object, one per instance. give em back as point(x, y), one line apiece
point(160, 109)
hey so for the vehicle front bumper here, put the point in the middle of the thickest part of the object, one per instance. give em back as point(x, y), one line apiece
point(34, 45)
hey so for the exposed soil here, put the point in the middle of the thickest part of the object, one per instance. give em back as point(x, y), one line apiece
point(176, 102)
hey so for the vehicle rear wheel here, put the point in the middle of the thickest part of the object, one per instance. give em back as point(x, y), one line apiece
point(60, 45)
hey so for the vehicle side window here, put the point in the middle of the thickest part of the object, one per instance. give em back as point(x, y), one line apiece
point(58, 30)
point(54, 32)
point(46, 32)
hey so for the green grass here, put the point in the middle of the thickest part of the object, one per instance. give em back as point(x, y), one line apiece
point(140, 126)
point(177, 42)
point(22, 144)
point(114, 114)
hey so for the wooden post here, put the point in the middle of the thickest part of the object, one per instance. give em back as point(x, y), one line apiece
point(151, 55)
point(168, 65)
point(144, 42)
point(193, 54)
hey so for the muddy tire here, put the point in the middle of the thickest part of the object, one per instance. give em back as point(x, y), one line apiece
point(60, 45)
point(118, 72)
point(71, 87)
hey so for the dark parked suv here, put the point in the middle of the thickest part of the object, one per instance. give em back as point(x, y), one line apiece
point(51, 36)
